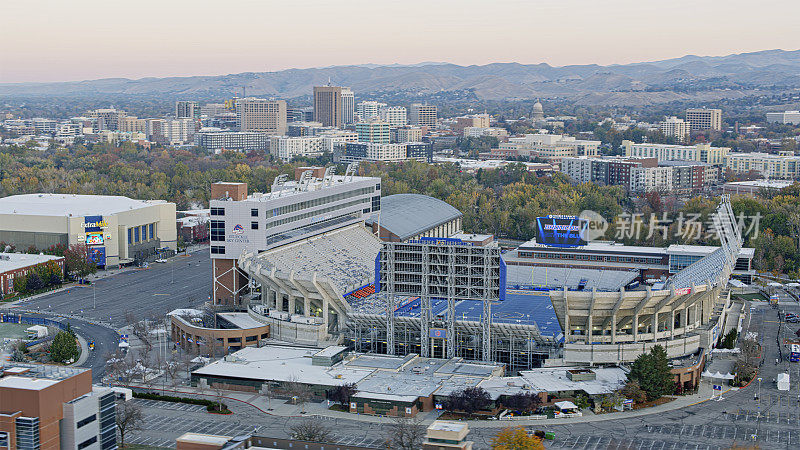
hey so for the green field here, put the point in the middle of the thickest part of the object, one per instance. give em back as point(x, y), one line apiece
point(13, 331)
point(757, 297)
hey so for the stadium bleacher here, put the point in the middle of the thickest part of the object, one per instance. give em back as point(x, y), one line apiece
point(345, 256)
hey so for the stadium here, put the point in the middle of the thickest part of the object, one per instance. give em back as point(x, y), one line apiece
point(340, 287)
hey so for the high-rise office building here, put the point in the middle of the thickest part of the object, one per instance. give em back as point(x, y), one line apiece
point(375, 132)
point(422, 115)
point(185, 109)
point(348, 106)
point(704, 119)
point(328, 105)
point(258, 114)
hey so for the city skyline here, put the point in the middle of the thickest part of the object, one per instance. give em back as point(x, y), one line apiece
point(258, 37)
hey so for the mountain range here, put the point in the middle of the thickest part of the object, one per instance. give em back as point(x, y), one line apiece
point(696, 78)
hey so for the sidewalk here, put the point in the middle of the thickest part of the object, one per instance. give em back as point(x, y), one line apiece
point(279, 407)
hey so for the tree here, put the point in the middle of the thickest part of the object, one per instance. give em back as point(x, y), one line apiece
point(405, 433)
point(342, 393)
point(64, 347)
point(310, 430)
point(77, 262)
point(469, 400)
point(33, 282)
point(652, 372)
point(522, 401)
point(129, 418)
point(516, 438)
point(633, 391)
point(300, 391)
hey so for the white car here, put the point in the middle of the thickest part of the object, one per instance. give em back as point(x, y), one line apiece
point(161, 260)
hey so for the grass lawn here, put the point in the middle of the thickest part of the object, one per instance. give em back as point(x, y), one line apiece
point(13, 331)
point(756, 296)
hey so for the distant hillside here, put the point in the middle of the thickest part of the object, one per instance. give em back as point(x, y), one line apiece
point(705, 77)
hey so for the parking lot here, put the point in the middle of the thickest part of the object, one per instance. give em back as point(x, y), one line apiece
point(168, 405)
point(638, 443)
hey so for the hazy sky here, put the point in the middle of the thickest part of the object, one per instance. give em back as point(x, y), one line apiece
point(55, 40)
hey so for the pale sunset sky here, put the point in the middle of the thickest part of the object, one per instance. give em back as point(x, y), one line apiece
point(64, 40)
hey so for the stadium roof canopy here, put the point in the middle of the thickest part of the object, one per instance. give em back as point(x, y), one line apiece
point(408, 215)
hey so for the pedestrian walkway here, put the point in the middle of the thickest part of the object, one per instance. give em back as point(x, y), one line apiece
point(280, 407)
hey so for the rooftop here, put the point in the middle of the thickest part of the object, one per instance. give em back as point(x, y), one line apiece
point(407, 215)
point(554, 379)
point(31, 384)
point(14, 261)
point(241, 320)
point(70, 204)
point(289, 187)
point(203, 439)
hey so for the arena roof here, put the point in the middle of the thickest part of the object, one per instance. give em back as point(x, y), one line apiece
point(407, 215)
point(70, 204)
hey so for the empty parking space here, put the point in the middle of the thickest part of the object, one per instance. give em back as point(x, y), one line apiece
point(168, 405)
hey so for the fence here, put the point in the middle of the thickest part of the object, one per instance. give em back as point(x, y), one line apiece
point(25, 320)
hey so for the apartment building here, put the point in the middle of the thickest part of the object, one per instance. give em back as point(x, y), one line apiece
point(665, 152)
point(395, 116)
point(261, 115)
point(405, 134)
point(375, 131)
point(553, 147)
point(785, 165)
point(106, 119)
point(490, 131)
point(186, 109)
point(286, 148)
point(369, 110)
point(243, 141)
point(641, 175)
point(55, 407)
point(178, 131)
point(786, 117)
point(704, 119)
point(676, 128)
point(132, 124)
point(474, 121)
point(422, 115)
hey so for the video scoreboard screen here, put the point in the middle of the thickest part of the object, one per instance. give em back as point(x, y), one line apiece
point(560, 231)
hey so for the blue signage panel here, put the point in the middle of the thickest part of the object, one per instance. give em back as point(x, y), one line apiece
point(378, 273)
point(560, 231)
point(438, 333)
point(97, 255)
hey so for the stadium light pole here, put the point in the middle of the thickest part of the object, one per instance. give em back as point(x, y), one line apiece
point(94, 296)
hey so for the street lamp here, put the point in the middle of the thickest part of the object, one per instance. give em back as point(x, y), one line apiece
point(758, 395)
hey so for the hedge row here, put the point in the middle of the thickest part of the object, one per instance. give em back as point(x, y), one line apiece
point(173, 399)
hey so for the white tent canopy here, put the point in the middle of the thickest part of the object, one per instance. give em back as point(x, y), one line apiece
point(565, 405)
point(718, 375)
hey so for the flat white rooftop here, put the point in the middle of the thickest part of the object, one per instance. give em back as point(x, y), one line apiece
point(14, 261)
point(241, 320)
point(30, 384)
point(290, 188)
point(70, 204)
point(443, 425)
point(207, 439)
point(554, 379)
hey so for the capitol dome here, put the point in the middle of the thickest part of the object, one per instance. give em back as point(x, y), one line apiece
point(538, 111)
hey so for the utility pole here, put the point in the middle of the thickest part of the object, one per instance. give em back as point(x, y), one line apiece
point(94, 296)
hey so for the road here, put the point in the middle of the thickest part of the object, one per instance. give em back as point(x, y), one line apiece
point(182, 282)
